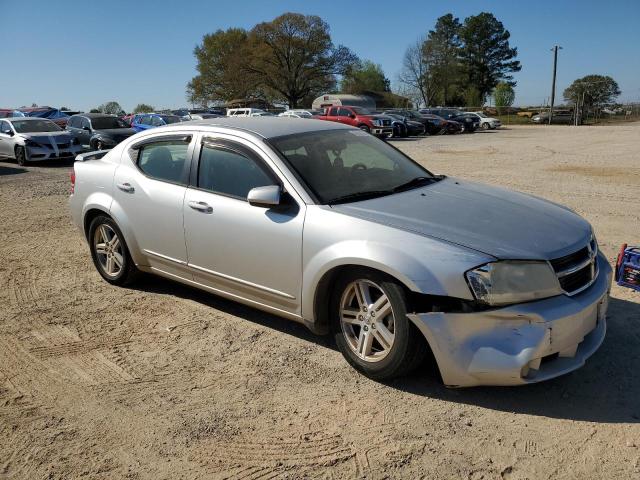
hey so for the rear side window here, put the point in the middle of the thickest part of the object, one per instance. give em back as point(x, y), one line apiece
point(228, 172)
point(164, 160)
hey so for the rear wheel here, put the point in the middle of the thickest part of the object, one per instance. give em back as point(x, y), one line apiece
point(109, 251)
point(371, 328)
point(21, 155)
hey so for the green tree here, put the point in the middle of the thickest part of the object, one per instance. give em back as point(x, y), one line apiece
point(293, 57)
point(594, 89)
point(503, 96)
point(110, 107)
point(221, 61)
point(95, 110)
point(441, 51)
point(143, 108)
point(365, 76)
point(486, 54)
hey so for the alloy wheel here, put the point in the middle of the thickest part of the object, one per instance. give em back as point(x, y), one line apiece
point(109, 251)
point(367, 320)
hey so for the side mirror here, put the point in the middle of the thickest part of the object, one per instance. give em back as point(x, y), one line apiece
point(268, 196)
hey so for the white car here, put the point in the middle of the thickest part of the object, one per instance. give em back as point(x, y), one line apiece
point(247, 112)
point(486, 123)
point(296, 114)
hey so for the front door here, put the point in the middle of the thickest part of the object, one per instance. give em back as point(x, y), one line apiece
point(150, 185)
point(235, 248)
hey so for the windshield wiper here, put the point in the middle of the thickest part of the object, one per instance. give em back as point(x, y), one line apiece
point(354, 197)
point(415, 182)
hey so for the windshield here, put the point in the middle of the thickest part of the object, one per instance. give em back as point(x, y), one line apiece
point(170, 119)
point(104, 123)
point(481, 115)
point(347, 165)
point(361, 111)
point(30, 126)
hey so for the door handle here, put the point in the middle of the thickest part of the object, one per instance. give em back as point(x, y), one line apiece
point(126, 187)
point(201, 206)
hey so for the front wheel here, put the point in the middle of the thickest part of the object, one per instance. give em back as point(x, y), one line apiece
point(109, 252)
point(486, 126)
point(364, 128)
point(371, 328)
point(21, 155)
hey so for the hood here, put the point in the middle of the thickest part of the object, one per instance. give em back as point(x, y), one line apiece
point(116, 133)
point(47, 137)
point(491, 220)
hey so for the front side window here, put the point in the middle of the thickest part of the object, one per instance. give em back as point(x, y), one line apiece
point(229, 172)
point(106, 123)
point(346, 165)
point(5, 128)
point(156, 121)
point(164, 160)
point(343, 112)
point(169, 119)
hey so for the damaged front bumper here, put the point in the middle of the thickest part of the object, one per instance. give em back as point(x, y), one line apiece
point(519, 344)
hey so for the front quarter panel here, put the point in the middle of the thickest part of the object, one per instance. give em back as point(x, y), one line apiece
point(422, 264)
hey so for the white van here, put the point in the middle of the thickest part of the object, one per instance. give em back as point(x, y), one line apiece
point(243, 112)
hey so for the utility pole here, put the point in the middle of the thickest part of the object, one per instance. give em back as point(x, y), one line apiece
point(553, 83)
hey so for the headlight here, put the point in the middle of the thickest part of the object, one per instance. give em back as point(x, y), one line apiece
point(502, 283)
point(30, 143)
point(377, 123)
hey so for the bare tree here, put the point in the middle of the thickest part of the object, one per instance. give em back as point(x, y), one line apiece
point(415, 72)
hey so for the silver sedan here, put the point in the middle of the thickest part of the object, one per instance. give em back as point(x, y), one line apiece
point(324, 224)
point(30, 139)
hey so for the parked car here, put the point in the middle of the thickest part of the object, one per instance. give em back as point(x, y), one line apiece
point(243, 112)
point(433, 125)
point(486, 122)
point(98, 131)
point(378, 125)
point(404, 127)
point(559, 116)
point(35, 139)
point(262, 114)
point(145, 121)
point(322, 224)
point(7, 112)
point(57, 116)
point(469, 123)
point(296, 114)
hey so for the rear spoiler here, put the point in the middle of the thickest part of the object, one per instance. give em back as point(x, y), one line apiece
point(97, 155)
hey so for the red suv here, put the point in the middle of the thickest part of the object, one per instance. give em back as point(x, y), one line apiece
point(378, 125)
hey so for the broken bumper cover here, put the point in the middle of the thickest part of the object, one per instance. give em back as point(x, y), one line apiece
point(519, 344)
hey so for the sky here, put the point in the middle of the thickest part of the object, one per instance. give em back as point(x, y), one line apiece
point(80, 54)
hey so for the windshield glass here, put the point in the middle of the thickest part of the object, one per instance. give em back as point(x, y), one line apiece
point(362, 111)
point(347, 165)
point(104, 123)
point(170, 119)
point(481, 115)
point(29, 126)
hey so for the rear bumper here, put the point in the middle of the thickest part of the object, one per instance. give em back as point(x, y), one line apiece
point(519, 344)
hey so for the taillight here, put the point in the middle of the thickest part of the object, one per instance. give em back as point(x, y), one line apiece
point(72, 176)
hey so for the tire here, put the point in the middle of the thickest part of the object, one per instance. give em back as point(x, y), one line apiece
point(21, 156)
point(364, 128)
point(96, 145)
point(359, 334)
point(485, 126)
point(115, 264)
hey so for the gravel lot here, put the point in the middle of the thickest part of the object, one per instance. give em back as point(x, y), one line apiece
point(162, 381)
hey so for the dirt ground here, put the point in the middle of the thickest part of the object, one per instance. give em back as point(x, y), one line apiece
point(162, 381)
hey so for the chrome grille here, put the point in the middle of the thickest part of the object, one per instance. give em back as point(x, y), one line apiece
point(578, 270)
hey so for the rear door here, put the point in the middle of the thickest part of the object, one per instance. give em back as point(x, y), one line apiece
point(6, 140)
point(242, 250)
point(150, 185)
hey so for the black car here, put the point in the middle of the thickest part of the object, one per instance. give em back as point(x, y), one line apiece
point(404, 126)
point(432, 125)
point(470, 123)
point(98, 131)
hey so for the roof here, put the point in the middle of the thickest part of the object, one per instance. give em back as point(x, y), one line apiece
point(93, 115)
point(267, 127)
point(28, 119)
